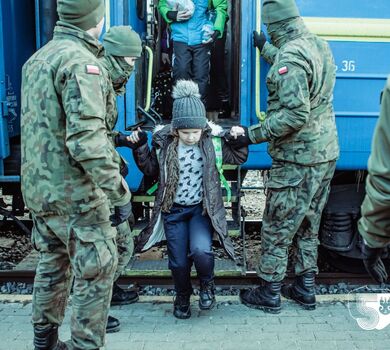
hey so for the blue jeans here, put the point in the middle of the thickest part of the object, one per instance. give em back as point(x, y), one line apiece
point(189, 240)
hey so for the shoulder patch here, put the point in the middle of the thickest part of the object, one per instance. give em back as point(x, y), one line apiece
point(283, 70)
point(92, 69)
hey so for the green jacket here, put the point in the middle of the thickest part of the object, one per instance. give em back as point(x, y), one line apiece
point(67, 159)
point(374, 225)
point(300, 125)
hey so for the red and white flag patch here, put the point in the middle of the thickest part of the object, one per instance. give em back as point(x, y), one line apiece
point(283, 70)
point(92, 69)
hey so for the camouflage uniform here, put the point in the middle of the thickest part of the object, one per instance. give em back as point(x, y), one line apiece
point(374, 226)
point(124, 238)
point(69, 179)
point(301, 131)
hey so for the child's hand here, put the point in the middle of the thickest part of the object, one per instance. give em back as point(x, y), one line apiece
point(237, 131)
point(183, 15)
point(136, 139)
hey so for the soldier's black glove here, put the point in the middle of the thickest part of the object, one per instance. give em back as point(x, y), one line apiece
point(259, 40)
point(374, 264)
point(121, 214)
point(124, 169)
point(240, 141)
point(122, 141)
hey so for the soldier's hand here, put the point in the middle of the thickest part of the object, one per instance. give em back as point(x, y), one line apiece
point(136, 139)
point(374, 264)
point(259, 40)
point(121, 214)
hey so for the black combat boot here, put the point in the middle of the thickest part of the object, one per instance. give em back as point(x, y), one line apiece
point(181, 306)
point(207, 295)
point(123, 297)
point(113, 325)
point(302, 291)
point(46, 337)
point(265, 297)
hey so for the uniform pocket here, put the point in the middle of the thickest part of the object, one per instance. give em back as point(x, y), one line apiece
point(91, 102)
point(92, 259)
point(283, 177)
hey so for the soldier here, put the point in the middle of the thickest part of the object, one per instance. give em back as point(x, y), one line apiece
point(301, 131)
point(70, 179)
point(374, 226)
point(122, 47)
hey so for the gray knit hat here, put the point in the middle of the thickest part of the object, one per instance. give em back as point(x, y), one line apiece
point(188, 109)
point(278, 10)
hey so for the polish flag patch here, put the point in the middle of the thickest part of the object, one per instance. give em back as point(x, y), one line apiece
point(283, 70)
point(92, 69)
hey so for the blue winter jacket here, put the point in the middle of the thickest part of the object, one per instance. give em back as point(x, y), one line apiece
point(190, 32)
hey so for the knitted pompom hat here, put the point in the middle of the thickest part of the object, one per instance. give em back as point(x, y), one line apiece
point(188, 109)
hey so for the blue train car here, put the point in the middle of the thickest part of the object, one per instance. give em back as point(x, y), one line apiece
point(359, 35)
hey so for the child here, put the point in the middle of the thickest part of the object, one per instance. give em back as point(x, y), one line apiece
point(191, 50)
point(188, 205)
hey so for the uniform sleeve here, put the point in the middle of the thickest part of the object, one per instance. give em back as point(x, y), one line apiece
point(163, 8)
point(374, 225)
point(293, 94)
point(86, 134)
point(269, 52)
point(221, 11)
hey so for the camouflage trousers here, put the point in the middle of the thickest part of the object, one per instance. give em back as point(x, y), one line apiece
point(296, 196)
point(82, 245)
point(125, 245)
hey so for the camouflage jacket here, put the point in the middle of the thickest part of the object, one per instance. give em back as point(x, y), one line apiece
point(67, 159)
point(374, 225)
point(300, 124)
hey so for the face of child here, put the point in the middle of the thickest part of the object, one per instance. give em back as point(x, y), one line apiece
point(189, 136)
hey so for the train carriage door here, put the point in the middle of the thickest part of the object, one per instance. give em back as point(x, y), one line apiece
point(17, 44)
point(4, 142)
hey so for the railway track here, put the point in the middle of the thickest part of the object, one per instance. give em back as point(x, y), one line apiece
point(250, 278)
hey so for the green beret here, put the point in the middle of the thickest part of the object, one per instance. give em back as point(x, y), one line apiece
point(122, 41)
point(84, 14)
point(278, 10)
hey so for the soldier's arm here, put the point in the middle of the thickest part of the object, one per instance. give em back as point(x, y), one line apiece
point(269, 52)
point(375, 222)
point(221, 11)
point(294, 97)
point(86, 134)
